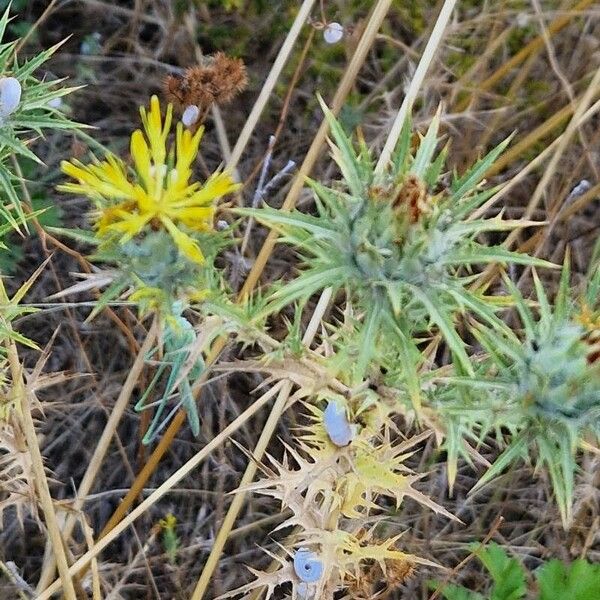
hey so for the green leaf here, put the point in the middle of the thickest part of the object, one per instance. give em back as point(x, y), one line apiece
point(409, 356)
point(483, 310)
point(515, 451)
point(495, 254)
point(344, 154)
point(31, 65)
point(79, 235)
point(577, 581)
point(542, 298)
point(281, 220)
point(522, 308)
point(402, 152)
point(114, 290)
point(443, 320)
point(427, 147)
point(433, 172)
point(561, 465)
point(368, 337)
point(474, 175)
point(507, 573)
point(306, 285)
point(17, 146)
point(455, 592)
point(4, 21)
point(562, 300)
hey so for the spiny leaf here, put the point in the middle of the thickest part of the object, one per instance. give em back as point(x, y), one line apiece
point(515, 450)
point(344, 154)
point(474, 175)
point(427, 147)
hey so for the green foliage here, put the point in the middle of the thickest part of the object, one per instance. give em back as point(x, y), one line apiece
point(543, 385)
point(33, 114)
point(578, 581)
point(181, 368)
point(170, 540)
point(556, 580)
point(399, 243)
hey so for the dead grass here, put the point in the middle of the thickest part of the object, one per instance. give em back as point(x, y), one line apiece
point(487, 91)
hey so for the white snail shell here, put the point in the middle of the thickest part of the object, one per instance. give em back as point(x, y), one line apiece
point(190, 115)
point(10, 95)
point(333, 33)
point(339, 430)
point(307, 566)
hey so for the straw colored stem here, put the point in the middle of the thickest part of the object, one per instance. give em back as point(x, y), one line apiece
point(415, 84)
point(163, 489)
point(41, 483)
point(269, 83)
point(102, 447)
point(257, 455)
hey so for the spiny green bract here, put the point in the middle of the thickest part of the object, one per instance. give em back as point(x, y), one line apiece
point(34, 111)
point(538, 389)
point(400, 242)
point(156, 270)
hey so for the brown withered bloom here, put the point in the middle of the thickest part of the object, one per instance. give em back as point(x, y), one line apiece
point(412, 198)
point(374, 583)
point(218, 79)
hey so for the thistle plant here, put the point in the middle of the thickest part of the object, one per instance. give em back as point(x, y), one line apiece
point(156, 226)
point(335, 479)
point(28, 107)
point(151, 221)
point(402, 244)
point(537, 390)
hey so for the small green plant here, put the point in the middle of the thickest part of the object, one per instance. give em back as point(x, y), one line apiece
point(537, 390)
point(28, 106)
point(170, 540)
point(555, 580)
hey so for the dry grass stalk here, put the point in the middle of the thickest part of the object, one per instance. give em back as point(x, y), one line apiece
point(43, 491)
point(101, 449)
point(83, 561)
point(416, 83)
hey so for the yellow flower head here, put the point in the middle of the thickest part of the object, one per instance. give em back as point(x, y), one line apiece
point(160, 195)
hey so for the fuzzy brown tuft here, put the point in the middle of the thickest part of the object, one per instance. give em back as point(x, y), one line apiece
point(217, 80)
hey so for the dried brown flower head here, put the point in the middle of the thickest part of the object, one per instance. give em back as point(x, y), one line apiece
point(412, 198)
point(374, 583)
point(218, 79)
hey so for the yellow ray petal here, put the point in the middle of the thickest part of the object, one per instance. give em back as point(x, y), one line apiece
point(141, 157)
point(198, 218)
point(184, 242)
point(217, 185)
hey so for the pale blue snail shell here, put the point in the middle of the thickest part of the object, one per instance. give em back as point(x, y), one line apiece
point(339, 430)
point(190, 115)
point(307, 566)
point(10, 95)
